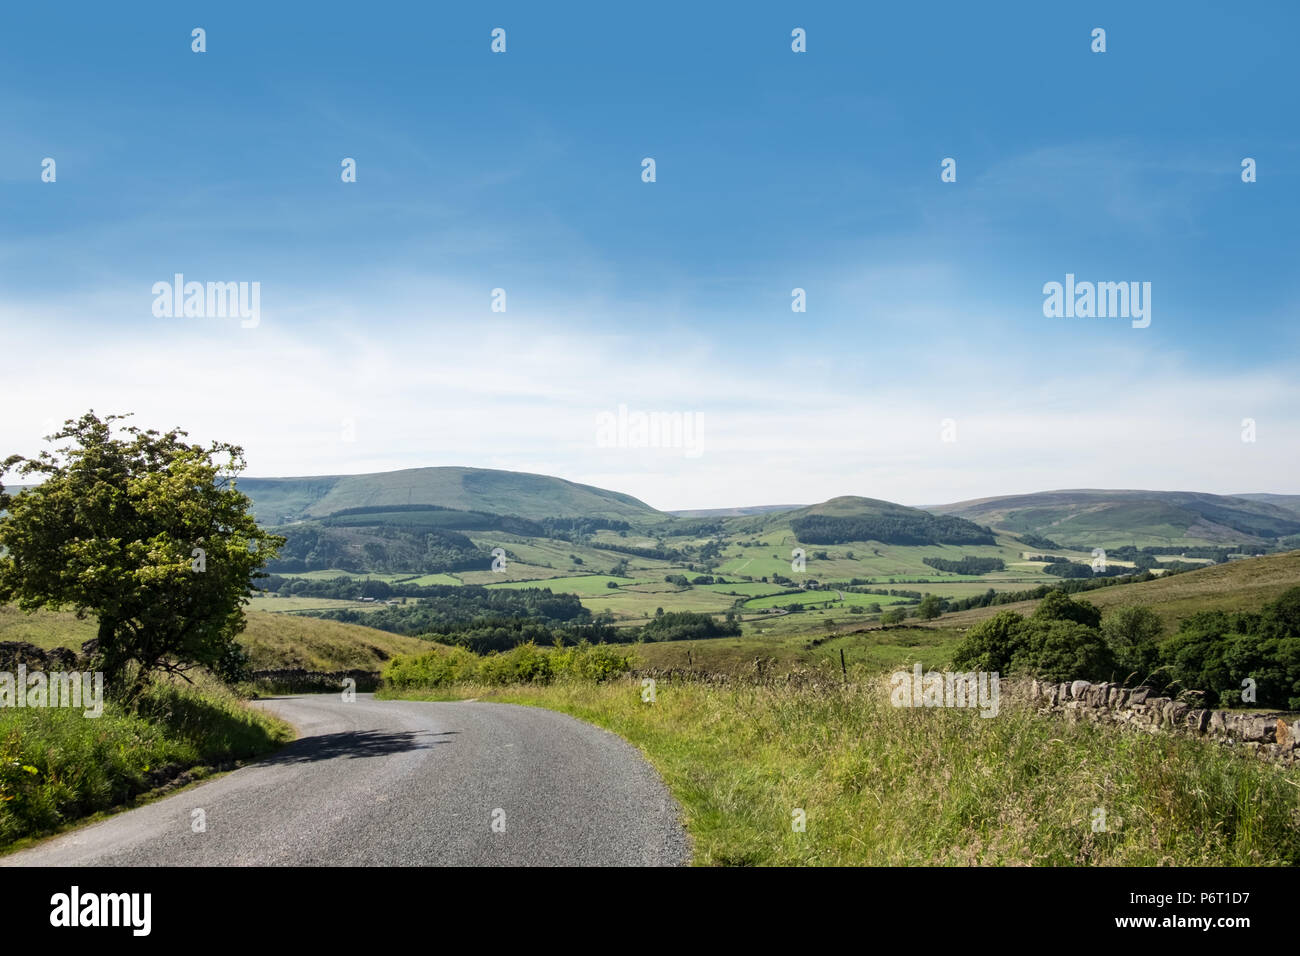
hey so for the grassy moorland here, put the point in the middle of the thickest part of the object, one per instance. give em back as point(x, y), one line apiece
point(274, 641)
point(876, 647)
point(1111, 518)
point(471, 489)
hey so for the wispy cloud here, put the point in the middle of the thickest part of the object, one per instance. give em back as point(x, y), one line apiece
point(509, 394)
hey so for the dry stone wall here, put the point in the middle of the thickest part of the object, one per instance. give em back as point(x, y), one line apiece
point(1273, 736)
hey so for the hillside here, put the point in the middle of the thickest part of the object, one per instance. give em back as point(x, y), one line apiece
point(278, 501)
point(272, 640)
point(1088, 518)
point(1289, 502)
point(1236, 586)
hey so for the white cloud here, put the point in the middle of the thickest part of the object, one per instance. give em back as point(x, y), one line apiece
point(524, 395)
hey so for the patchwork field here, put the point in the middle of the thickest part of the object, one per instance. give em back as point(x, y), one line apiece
point(273, 603)
point(823, 599)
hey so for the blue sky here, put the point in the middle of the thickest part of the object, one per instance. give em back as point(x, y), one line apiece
point(775, 170)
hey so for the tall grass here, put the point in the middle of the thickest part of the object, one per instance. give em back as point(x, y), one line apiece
point(886, 786)
point(57, 766)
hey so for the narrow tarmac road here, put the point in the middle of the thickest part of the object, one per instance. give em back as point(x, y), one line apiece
point(404, 783)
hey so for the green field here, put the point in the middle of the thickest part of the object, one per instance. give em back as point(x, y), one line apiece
point(1237, 586)
point(581, 585)
point(822, 599)
point(273, 603)
point(427, 580)
point(388, 578)
point(871, 560)
point(514, 571)
point(742, 588)
point(634, 599)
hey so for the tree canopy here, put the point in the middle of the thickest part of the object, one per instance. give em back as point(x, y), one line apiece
point(144, 531)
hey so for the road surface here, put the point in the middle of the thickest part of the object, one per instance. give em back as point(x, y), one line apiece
point(404, 783)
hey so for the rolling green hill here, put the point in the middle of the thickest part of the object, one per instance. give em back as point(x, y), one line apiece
point(852, 518)
point(1088, 518)
point(278, 501)
point(623, 557)
point(844, 506)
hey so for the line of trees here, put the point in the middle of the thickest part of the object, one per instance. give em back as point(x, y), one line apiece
point(969, 564)
point(906, 529)
point(1073, 569)
point(1230, 659)
point(484, 636)
point(448, 608)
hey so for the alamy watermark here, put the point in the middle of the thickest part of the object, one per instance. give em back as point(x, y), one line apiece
point(216, 300)
point(1101, 300)
point(631, 429)
point(130, 910)
point(947, 689)
point(80, 690)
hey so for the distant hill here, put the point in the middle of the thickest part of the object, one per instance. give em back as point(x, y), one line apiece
point(852, 518)
point(1289, 502)
point(1087, 518)
point(733, 512)
point(278, 501)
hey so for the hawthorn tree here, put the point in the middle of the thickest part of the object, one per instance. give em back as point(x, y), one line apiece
point(931, 606)
point(144, 531)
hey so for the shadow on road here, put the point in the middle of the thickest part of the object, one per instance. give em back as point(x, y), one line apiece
point(358, 743)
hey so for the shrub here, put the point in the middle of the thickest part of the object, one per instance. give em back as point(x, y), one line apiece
point(990, 644)
point(591, 662)
point(1218, 653)
point(1058, 651)
point(439, 667)
point(1059, 606)
point(1133, 635)
point(523, 664)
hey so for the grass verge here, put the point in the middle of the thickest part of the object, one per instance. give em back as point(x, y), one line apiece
point(886, 786)
point(58, 766)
